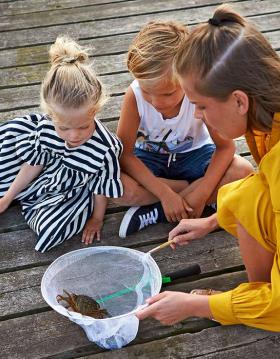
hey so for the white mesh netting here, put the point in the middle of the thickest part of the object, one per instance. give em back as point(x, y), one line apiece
point(119, 279)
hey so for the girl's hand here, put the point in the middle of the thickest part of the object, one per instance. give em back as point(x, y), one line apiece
point(92, 229)
point(172, 307)
point(190, 229)
point(4, 204)
point(175, 207)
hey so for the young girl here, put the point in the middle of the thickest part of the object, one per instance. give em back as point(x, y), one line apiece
point(169, 153)
point(55, 163)
point(234, 74)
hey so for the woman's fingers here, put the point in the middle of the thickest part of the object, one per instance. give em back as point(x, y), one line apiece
point(182, 239)
point(150, 311)
point(180, 228)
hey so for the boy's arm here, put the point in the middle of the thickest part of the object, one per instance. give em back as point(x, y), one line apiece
point(127, 132)
point(220, 161)
point(134, 167)
point(198, 193)
point(26, 174)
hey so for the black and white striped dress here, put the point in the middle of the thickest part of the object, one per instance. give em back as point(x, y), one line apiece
point(57, 204)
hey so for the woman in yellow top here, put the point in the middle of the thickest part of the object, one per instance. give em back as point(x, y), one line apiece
point(232, 74)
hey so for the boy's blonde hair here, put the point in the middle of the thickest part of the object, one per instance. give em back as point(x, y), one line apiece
point(151, 53)
point(71, 81)
point(228, 53)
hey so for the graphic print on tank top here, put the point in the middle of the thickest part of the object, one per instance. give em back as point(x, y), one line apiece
point(164, 145)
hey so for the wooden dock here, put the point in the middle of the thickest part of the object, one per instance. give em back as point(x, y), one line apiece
point(28, 327)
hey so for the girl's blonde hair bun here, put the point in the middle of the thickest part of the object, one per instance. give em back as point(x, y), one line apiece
point(66, 51)
point(71, 81)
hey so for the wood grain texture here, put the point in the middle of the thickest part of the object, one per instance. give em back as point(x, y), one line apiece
point(18, 38)
point(233, 342)
point(91, 12)
point(29, 329)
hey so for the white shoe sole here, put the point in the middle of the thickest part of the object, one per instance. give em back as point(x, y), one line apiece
point(125, 221)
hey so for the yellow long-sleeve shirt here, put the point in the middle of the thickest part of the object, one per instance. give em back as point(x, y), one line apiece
point(255, 203)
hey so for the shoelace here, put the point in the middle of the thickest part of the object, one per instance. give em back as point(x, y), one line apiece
point(148, 218)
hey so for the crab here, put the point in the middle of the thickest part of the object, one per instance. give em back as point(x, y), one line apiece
point(82, 304)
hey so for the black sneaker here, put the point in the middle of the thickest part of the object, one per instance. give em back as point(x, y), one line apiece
point(138, 218)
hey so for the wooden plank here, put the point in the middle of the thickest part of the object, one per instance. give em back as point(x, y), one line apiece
point(39, 54)
point(222, 252)
point(34, 74)
point(50, 335)
point(19, 38)
point(20, 291)
point(12, 100)
point(241, 145)
point(53, 323)
point(12, 220)
point(110, 111)
point(112, 64)
point(30, 95)
point(10, 7)
point(101, 46)
point(25, 256)
point(96, 12)
point(236, 342)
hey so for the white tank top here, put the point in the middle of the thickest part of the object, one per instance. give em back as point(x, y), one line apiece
point(179, 134)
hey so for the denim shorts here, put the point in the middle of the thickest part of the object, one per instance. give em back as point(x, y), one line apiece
point(187, 166)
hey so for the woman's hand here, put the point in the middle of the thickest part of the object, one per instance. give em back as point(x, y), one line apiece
point(174, 206)
point(190, 229)
point(91, 230)
point(172, 307)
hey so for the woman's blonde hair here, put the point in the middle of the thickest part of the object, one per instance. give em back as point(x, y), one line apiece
point(228, 53)
point(71, 81)
point(151, 53)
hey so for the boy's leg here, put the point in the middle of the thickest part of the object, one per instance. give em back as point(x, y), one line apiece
point(133, 193)
point(238, 169)
point(192, 166)
point(257, 260)
point(136, 195)
point(146, 208)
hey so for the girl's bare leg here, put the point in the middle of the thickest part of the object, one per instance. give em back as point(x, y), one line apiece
point(137, 195)
point(257, 260)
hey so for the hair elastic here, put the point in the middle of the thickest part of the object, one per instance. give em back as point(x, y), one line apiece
point(69, 60)
point(214, 22)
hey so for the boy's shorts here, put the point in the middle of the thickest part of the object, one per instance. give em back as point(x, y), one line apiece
point(187, 166)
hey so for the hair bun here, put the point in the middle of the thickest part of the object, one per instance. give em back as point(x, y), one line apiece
point(66, 51)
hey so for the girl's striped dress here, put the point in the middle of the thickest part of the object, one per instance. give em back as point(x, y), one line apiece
point(57, 204)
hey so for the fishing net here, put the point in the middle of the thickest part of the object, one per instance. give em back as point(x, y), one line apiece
point(118, 279)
